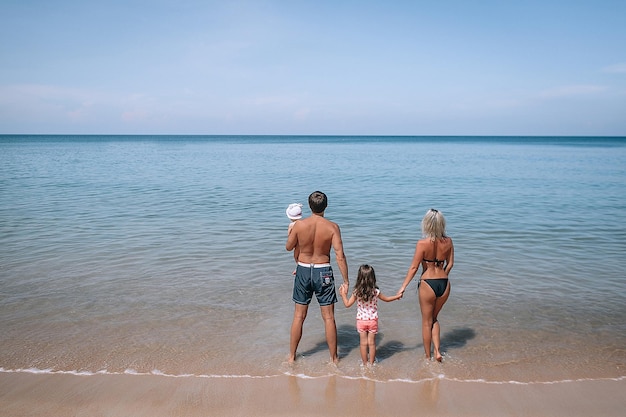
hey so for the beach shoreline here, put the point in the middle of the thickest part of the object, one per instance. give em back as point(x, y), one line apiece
point(148, 276)
point(27, 394)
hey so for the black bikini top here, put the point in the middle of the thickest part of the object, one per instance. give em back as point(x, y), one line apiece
point(437, 262)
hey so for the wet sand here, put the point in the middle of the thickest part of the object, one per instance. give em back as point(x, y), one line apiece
point(56, 395)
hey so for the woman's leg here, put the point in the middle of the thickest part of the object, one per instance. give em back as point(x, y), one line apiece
point(439, 302)
point(427, 307)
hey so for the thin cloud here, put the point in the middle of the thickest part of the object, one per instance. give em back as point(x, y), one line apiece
point(302, 114)
point(34, 102)
point(569, 91)
point(276, 101)
point(134, 116)
point(616, 69)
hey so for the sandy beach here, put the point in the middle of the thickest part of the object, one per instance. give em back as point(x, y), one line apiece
point(52, 395)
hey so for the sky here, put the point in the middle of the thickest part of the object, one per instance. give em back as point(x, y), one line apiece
point(270, 67)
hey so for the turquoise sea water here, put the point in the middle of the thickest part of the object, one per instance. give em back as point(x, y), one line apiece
point(165, 255)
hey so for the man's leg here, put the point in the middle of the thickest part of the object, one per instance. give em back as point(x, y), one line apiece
point(299, 314)
point(328, 315)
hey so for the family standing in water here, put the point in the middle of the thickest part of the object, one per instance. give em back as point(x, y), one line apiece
point(312, 239)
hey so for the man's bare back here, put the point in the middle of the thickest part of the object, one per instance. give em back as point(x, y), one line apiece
point(314, 237)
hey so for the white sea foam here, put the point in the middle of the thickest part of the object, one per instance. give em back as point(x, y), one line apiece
point(130, 372)
point(157, 373)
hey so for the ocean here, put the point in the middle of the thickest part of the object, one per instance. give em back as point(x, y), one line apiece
point(165, 255)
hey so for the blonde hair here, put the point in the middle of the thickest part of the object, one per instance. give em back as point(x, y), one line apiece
point(434, 224)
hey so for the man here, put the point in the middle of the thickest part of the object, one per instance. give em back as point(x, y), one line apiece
point(314, 237)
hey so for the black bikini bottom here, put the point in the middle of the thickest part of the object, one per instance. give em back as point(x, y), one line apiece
point(438, 285)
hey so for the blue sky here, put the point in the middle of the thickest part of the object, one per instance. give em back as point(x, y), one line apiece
point(313, 67)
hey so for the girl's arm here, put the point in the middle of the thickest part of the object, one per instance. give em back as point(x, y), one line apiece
point(388, 298)
point(343, 289)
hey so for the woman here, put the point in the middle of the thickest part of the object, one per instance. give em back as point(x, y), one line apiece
point(435, 253)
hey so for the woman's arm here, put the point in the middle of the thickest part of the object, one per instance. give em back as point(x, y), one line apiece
point(450, 260)
point(415, 264)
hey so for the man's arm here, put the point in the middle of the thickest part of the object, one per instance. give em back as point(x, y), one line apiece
point(340, 256)
point(292, 238)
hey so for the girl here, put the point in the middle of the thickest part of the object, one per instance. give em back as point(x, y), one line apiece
point(366, 295)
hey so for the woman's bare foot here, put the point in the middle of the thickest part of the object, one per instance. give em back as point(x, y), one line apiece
point(438, 357)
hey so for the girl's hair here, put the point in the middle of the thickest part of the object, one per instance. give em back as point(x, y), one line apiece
point(365, 287)
point(434, 224)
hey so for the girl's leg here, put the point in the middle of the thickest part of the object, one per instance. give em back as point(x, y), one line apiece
point(363, 346)
point(371, 342)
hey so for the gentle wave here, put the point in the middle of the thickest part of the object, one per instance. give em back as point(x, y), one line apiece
point(132, 372)
point(156, 372)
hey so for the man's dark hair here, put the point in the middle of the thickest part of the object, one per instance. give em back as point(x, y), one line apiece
point(318, 202)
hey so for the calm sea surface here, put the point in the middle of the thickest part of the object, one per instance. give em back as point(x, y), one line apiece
point(165, 255)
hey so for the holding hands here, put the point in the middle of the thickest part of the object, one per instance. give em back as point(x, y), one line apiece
point(343, 289)
point(400, 293)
